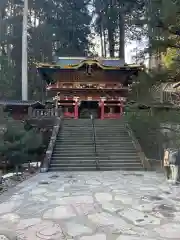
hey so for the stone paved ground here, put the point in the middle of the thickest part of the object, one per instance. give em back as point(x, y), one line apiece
point(92, 206)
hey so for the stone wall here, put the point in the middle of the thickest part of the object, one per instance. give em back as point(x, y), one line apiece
point(49, 152)
point(141, 154)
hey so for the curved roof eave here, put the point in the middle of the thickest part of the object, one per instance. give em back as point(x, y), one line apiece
point(77, 66)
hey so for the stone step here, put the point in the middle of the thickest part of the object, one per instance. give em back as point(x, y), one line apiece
point(118, 157)
point(74, 141)
point(113, 139)
point(123, 130)
point(84, 136)
point(93, 164)
point(75, 132)
point(93, 160)
point(74, 149)
point(78, 155)
point(111, 134)
point(116, 150)
point(77, 169)
point(120, 168)
point(76, 145)
point(109, 122)
point(80, 140)
point(71, 148)
point(75, 154)
point(91, 150)
point(67, 132)
point(71, 130)
point(66, 147)
point(68, 125)
point(125, 148)
point(76, 129)
point(73, 164)
point(79, 121)
point(82, 168)
point(75, 136)
point(104, 132)
point(73, 158)
point(87, 153)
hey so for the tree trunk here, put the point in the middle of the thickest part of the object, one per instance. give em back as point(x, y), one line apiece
point(102, 43)
point(121, 36)
point(104, 37)
point(111, 41)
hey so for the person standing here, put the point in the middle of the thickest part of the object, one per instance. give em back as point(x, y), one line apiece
point(167, 165)
point(174, 161)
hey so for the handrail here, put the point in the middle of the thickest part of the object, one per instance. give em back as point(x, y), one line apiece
point(94, 142)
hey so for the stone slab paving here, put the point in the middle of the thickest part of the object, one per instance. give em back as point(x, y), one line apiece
point(91, 206)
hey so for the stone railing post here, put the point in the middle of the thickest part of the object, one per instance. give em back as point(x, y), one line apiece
point(30, 111)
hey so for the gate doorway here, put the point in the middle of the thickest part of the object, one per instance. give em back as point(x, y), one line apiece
point(88, 108)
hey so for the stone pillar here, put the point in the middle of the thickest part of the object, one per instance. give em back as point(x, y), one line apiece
point(121, 105)
point(30, 111)
point(111, 110)
point(57, 99)
point(66, 110)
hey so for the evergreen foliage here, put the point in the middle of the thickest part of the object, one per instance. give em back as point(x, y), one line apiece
point(18, 145)
point(54, 27)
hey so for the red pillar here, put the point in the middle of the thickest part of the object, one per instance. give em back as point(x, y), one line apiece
point(76, 110)
point(120, 109)
point(102, 109)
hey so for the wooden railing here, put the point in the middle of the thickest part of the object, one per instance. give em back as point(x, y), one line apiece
point(39, 113)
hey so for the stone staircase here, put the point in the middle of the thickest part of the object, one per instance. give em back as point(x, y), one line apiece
point(115, 147)
point(74, 149)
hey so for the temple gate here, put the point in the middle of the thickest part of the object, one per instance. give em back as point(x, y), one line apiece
point(83, 87)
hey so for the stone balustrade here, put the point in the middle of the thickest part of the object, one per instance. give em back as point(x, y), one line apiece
point(39, 113)
point(49, 151)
